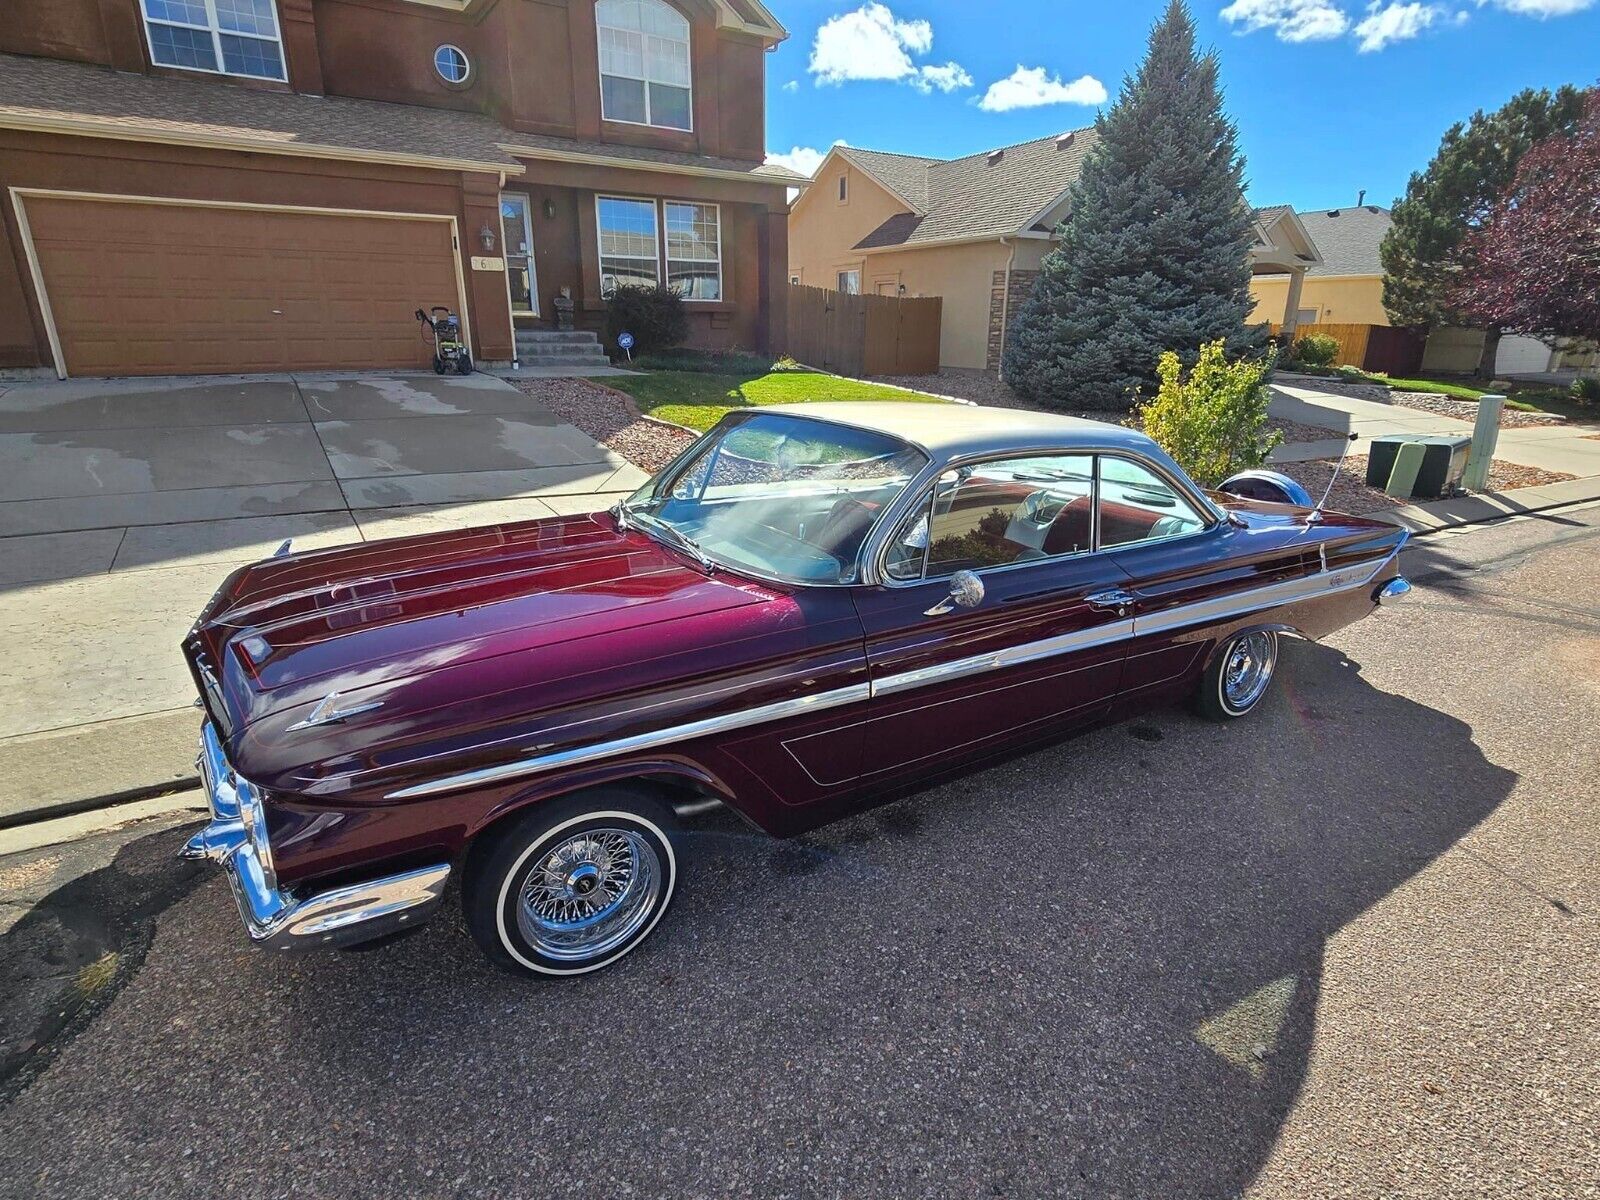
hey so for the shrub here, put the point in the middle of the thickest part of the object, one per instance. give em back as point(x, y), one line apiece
point(1213, 422)
point(1586, 389)
point(654, 315)
point(1316, 350)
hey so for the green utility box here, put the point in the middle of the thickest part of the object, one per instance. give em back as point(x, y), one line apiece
point(1444, 461)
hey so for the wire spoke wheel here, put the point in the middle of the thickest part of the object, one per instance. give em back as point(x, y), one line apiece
point(1248, 670)
point(589, 893)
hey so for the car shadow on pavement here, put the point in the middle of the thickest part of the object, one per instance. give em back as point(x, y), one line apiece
point(1090, 971)
point(78, 943)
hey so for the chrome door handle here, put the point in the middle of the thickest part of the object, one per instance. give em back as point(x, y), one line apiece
point(1118, 600)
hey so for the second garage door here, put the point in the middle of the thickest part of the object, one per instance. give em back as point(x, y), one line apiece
point(170, 289)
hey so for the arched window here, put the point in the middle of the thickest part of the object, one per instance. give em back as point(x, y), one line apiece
point(644, 63)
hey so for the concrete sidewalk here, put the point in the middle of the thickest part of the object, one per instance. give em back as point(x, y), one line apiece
point(123, 503)
point(1567, 448)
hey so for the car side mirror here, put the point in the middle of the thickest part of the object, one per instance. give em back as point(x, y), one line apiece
point(966, 591)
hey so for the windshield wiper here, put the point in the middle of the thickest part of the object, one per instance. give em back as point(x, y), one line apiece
point(650, 524)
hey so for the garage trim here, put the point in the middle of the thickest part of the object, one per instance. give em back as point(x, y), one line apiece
point(43, 297)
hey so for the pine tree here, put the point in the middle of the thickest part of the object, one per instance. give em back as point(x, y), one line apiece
point(1155, 252)
point(1429, 249)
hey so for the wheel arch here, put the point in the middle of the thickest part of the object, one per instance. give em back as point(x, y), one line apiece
point(676, 784)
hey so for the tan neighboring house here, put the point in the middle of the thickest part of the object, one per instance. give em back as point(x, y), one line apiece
point(1346, 286)
point(971, 230)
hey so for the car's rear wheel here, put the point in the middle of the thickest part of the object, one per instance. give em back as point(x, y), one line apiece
point(573, 886)
point(1239, 676)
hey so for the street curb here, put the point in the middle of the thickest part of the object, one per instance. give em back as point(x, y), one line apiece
point(1442, 515)
point(72, 808)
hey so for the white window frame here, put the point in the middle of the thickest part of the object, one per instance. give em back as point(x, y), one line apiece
point(466, 64)
point(645, 78)
point(666, 248)
point(216, 31)
point(600, 233)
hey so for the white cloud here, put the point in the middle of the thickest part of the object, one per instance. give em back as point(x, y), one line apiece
point(1290, 20)
point(947, 78)
point(1542, 8)
point(1393, 23)
point(1032, 87)
point(804, 159)
point(792, 86)
point(871, 43)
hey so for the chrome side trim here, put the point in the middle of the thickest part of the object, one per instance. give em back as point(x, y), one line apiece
point(1322, 584)
point(1290, 591)
point(540, 763)
point(1205, 611)
point(1012, 656)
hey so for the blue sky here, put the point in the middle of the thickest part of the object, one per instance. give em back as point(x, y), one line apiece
point(1331, 96)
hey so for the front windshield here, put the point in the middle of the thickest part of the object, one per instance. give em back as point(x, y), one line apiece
point(779, 496)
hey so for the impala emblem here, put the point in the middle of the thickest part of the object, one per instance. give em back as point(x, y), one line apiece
point(328, 712)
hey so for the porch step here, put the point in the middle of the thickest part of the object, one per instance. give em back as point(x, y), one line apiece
point(596, 359)
point(557, 337)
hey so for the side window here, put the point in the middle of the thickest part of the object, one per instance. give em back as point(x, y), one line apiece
point(1137, 505)
point(999, 513)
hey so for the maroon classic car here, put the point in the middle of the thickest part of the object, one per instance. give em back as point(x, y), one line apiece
point(813, 609)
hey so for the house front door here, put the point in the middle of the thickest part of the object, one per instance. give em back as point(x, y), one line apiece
point(517, 239)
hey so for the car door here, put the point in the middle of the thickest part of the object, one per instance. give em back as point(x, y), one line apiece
point(1187, 570)
point(1039, 653)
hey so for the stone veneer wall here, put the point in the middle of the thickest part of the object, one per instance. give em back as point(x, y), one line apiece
point(1002, 307)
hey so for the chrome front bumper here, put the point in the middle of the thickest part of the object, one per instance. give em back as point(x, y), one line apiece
point(236, 839)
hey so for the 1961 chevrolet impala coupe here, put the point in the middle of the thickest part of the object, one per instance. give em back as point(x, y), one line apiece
point(812, 610)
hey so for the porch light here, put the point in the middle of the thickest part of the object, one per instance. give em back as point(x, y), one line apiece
point(486, 236)
point(549, 209)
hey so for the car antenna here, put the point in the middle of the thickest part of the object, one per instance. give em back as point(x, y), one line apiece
point(1315, 516)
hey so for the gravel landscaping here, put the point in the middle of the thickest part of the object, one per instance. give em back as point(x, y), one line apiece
point(1467, 410)
point(610, 418)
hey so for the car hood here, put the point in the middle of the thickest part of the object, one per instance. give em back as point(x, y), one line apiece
point(439, 632)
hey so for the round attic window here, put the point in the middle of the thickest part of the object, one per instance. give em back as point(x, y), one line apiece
point(452, 65)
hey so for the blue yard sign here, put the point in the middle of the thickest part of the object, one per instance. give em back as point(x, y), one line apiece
point(625, 340)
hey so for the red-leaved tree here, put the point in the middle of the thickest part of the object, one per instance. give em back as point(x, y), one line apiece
point(1537, 256)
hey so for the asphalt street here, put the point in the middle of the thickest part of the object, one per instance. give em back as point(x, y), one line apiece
point(1350, 947)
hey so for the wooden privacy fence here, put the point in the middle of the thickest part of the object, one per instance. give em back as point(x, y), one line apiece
point(1390, 349)
point(864, 335)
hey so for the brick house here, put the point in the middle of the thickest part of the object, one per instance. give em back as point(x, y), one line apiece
point(972, 230)
point(197, 186)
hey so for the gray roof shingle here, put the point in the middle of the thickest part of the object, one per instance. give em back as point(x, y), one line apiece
point(646, 157)
point(42, 93)
point(978, 196)
point(1347, 238)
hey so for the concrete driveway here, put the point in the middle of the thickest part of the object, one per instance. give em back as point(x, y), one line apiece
point(124, 502)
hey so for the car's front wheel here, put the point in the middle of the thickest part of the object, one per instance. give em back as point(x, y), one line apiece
point(1239, 675)
point(572, 886)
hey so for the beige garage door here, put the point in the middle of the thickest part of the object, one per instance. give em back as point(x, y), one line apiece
point(172, 289)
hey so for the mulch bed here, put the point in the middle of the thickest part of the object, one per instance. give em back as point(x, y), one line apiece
point(1352, 495)
point(1467, 410)
point(611, 418)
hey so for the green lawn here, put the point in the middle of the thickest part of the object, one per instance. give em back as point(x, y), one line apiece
point(699, 399)
point(1525, 397)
